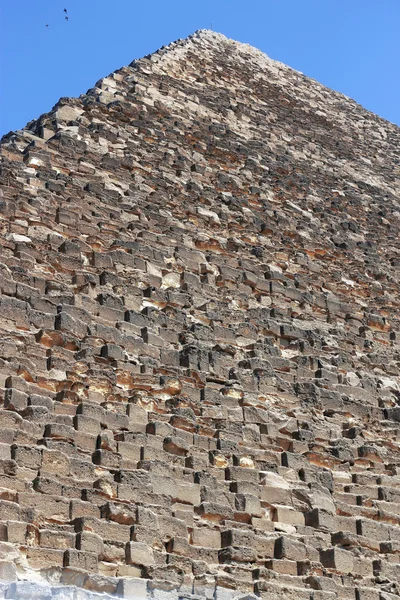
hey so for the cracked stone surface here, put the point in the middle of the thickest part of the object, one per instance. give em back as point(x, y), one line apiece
point(199, 337)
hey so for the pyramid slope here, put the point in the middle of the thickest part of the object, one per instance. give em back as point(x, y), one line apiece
point(199, 334)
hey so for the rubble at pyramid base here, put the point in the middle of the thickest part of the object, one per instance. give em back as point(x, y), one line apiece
point(199, 338)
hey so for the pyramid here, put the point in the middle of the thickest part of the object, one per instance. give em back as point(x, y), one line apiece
point(199, 321)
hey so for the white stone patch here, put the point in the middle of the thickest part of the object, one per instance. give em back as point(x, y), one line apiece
point(209, 214)
point(388, 383)
point(57, 375)
point(171, 280)
point(17, 237)
point(352, 379)
point(271, 479)
point(68, 113)
point(39, 232)
point(35, 162)
point(349, 282)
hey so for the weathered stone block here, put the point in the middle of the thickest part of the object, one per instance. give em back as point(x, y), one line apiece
point(89, 542)
point(42, 558)
point(17, 532)
point(237, 554)
point(64, 322)
point(26, 456)
point(248, 503)
point(283, 566)
point(46, 506)
point(15, 399)
point(8, 571)
point(60, 540)
point(79, 559)
point(208, 538)
point(120, 513)
point(287, 514)
point(132, 588)
point(338, 559)
point(290, 549)
point(138, 553)
point(9, 511)
point(179, 545)
point(27, 590)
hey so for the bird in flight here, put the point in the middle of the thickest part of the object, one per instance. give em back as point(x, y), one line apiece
point(65, 10)
point(47, 25)
point(66, 18)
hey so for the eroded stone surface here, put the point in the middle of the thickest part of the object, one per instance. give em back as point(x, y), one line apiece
point(199, 336)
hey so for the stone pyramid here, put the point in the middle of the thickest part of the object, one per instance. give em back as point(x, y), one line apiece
point(199, 321)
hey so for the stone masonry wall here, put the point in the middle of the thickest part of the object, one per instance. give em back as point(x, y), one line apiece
point(199, 352)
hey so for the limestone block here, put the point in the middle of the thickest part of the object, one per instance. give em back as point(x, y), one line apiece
point(214, 511)
point(60, 540)
point(16, 532)
point(8, 467)
point(264, 545)
point(290, 549)
point(46, 506)
point(112, 351)
point(41, 558)
point(367, 593)
point(132, 588)
point(208, 538)
point(64, 322)
point(248, 503)
point(282, 566)
point(237, 554)
point(197, 460)
point(147, 517)
point(171, 527)
point(79, 508)
point(59, 431)
point(8, 571)
point(89, 542)
point(86, 424)
point(9, 511)
point(107, 459)
point(138, 553)
point(178, 545)
point(338, 559)
point(101, 584)
point(55, 461)
point(320, 519)
point(363, 567)
point(245, 487)
point(15, 399)
point(106, 530)
point(293, 461)
point(188, 494)
point(82, 469)
point(176, 445)
point(26, 590)
point(79, 559)
point(383, 568)
point(25, 456)
point(242, 474)
point(119, 513)
point(287, 514)
point(127, 492)
point(373, 529)
point(272, 591)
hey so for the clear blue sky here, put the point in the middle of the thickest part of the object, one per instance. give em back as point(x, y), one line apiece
point(351, 46)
